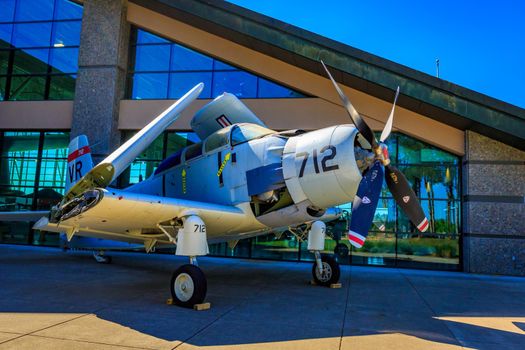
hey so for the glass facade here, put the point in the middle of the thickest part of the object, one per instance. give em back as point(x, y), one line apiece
point(392, 241)
point(162, 69)
point(32, 177)
point(39, 42)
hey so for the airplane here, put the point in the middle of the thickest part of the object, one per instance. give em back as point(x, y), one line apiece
point(242, 180)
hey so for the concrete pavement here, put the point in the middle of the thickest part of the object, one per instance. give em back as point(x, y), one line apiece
point(55, 300)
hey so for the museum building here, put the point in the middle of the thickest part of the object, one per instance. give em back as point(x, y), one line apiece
point(105, 68)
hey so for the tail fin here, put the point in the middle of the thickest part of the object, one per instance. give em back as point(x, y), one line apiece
point(79, 161)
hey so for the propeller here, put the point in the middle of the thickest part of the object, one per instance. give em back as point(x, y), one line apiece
point(365, 202)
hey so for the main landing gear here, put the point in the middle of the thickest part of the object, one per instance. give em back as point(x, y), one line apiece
point(325, 270)
point(188, 283)
point(188, 286)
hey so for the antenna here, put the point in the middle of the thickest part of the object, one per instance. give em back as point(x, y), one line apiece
point(437, 67)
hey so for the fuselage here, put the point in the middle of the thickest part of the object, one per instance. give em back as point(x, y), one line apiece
point(265, 173)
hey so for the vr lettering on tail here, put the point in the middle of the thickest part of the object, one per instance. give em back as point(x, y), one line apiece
point(79, 160)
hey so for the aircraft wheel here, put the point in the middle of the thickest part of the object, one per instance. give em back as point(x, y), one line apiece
point(341, 250)
point(331, 271)
point(188, 286)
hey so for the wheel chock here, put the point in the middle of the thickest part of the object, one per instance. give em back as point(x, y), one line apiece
point(169, 301)
point(336, 285)
point(312, 282)
point(201, 307)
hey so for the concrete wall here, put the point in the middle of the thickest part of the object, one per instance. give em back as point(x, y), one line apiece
point(493, 207)
point(101, 78)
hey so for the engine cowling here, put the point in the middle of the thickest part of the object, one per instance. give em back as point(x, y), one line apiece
point(320, 166)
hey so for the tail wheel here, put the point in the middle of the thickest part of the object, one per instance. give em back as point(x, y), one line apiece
point(188, 286)
point(331, 271)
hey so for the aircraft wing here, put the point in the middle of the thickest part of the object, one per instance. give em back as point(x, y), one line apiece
point(135, 217)
point(22, 215)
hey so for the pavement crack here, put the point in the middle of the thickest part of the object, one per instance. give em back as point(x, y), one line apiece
point(346, 308)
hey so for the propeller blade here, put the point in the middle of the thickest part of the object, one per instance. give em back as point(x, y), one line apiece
point(405, 197)
point(388, 126)
point(360, 124)
point(365, 204)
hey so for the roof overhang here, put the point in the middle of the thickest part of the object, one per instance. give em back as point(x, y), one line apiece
point(421, 93)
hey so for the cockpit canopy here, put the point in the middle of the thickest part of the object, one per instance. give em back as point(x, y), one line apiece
point(235, 135)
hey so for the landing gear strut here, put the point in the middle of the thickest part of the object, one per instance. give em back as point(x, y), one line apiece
point(325, 270)
point(188, 283)
point(330, 272)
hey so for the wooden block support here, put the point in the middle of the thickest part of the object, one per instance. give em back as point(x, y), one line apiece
point(312, 282)
point(201, 307)
point(336, 285)
point(169, 301)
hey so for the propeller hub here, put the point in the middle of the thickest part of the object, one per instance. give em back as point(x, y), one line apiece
point(382, 155)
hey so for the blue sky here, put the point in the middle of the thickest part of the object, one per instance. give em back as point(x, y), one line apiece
point(480, 44)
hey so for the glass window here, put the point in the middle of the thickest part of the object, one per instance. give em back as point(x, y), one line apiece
point(179, 140)
point(152, 58)
point(4, 61)
point(187, 67)
point(270, 89)
point(32, 34)
point(66, 34)
point(186, 59)
point(34, 10)
point(2, 88)
point(27, 88)
point(65, 9)
point(62, 87)
point(144, 37)
point(30, 61)
point(55, 145)
point(181, 83)
point(8, 10)
point(5, 35)
point(241, 84)
point(37, 47)
point(64, 60)
point(150, 86)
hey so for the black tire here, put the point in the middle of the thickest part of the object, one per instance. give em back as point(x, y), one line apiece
point(331, 270)
point(341, 250)
point(178, 293)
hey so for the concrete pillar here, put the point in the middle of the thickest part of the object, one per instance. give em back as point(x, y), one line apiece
point(493, 207)
point(101, 75)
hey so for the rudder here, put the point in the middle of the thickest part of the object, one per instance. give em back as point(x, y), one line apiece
point(79, 160)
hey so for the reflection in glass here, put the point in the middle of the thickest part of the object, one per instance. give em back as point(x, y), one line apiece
point(187, 67)
point(27, 88)
point(64, 60)
point(34, 39)
point(180, 83)
point(8, 10)
point(30, 61)
point(186, 59)
point(150, 85)
point(62, 87)
point(5, 35)
point(32, 34)
point(34, 10)
point(66, 9)
point(270, 247)
point(428, 250)
point(379, 249)
point(153, 58)
point(66, 34)
point(241, 84)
